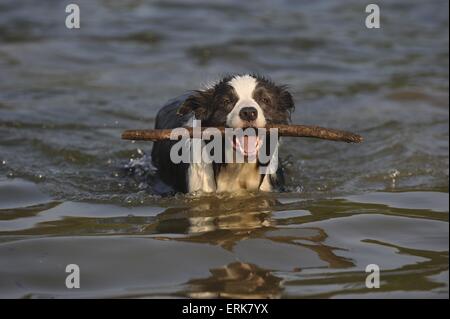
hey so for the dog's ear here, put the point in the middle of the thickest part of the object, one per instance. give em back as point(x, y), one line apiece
point(199, 103)
point(286, 102)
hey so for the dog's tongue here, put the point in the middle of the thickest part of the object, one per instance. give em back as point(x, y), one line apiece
point(249, 144)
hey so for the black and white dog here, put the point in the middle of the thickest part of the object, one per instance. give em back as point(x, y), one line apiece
point(237, 101)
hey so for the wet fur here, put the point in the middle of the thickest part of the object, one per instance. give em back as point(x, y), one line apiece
point(213, 106)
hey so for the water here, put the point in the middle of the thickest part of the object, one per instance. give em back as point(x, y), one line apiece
point(72, 192)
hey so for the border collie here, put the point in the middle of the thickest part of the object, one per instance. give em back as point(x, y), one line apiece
point(236, 101)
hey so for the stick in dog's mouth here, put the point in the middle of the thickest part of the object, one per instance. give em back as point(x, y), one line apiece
point(283, 130)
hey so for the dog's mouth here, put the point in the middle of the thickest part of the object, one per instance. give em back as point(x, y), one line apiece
point(247, 145)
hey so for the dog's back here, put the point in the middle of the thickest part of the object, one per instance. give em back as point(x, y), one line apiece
point(167, 118)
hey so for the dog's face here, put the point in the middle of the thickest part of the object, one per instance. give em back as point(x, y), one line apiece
point(241, 101)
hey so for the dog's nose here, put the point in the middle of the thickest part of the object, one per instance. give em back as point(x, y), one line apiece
point(248, 113)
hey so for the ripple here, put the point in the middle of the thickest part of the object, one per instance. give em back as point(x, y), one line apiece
point(20, 193)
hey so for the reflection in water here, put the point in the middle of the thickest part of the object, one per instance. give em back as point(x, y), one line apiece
point(226, 222)
point(211, 214)
point(236, 280)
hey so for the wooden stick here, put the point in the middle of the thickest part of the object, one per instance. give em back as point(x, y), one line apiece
point(283, 130)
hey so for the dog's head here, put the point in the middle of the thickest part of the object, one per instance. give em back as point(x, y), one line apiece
point(241, 101)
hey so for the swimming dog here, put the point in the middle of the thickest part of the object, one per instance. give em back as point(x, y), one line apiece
point(235, 101)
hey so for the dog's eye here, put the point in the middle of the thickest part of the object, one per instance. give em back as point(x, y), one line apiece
point(265, 100)
point(226, 101)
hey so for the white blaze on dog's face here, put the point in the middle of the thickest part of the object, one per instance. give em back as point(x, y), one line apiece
point(246, 112)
